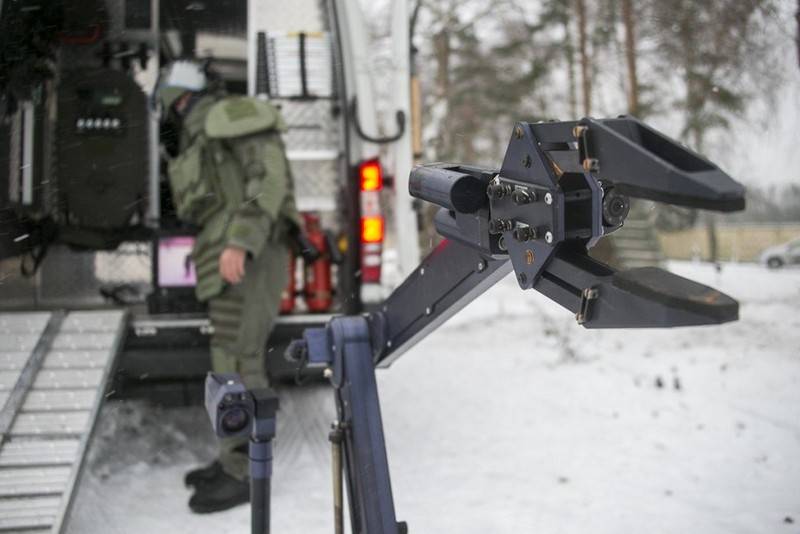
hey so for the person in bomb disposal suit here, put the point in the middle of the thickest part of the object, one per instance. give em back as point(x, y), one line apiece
point(230, 177)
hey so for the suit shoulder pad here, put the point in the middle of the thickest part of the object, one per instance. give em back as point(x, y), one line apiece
point(237, 116)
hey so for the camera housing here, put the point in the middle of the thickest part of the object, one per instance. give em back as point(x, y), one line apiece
point(229, 405)
point(615, 208)
point(235, 411)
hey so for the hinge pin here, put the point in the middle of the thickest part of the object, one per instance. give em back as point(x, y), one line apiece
point(589, 294)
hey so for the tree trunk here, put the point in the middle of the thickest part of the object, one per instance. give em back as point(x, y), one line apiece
point(797, 16)
point(569, 50)
point(441, 111)
point(441, 47)
point(416, 91)
point(710, 218)
point(713, 242)
point(630, 56)
point(585, 77)
point(437, 132)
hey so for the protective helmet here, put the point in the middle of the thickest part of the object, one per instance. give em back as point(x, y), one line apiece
point(179, 77)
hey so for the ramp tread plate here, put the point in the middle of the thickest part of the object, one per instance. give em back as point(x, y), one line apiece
point(16, 342)
point(8, 379)
point(19, 481)
point(30, 323)
point(68, 379)
point(29, 452)
point(113, 339)
point(50, 424)
point(13, 361)
point(42, 459)
point(23, 524)
point(34, 512)
point(75, 359)
point(84, 341)
point(115, 313)
point(81, 322)
point(54, 400)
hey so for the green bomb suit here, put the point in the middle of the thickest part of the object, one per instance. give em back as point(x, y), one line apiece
point(233, 159)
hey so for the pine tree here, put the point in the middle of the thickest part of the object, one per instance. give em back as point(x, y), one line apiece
point(583, 50)
point(630, 56)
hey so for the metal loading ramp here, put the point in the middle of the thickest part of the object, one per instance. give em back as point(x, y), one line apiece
point(53, 369)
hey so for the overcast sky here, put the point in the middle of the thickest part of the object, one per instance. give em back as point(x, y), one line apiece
point(765, 148)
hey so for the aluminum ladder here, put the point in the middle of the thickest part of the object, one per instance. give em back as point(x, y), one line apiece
point(53, 371)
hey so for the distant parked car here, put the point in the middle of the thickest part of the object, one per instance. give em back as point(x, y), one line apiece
point(782, 255)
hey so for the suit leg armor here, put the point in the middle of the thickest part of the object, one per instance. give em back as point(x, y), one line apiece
point(243, 316)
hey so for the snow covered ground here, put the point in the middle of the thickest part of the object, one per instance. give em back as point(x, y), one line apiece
point(512, 419)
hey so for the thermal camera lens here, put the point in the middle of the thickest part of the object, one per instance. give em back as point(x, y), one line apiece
point(234, 420)
point(615, 208)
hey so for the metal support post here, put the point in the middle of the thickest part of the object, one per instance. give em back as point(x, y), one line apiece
point(265, 404)
point(235, 411)
point(154, 124)
point(367, 467)
point(336, 437)
point(345, 347)
point(260, 454)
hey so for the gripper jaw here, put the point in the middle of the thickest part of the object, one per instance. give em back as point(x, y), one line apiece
point(562, 187)
point(642, 162)
point(646, 297)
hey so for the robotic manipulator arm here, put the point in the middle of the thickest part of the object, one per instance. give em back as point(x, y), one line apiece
point(562, 187)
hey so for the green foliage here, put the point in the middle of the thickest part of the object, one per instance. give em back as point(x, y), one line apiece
point(505, 62)
point(719, 50)
point(506, 77)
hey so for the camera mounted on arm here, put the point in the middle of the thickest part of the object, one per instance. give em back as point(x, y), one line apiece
point(235, 412)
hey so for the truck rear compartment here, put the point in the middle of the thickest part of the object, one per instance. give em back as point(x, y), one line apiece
point(303, 75)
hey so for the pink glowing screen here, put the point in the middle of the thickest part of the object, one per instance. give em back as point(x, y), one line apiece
point(175, 265)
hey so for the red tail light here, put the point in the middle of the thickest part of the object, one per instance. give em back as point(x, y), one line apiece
point(372, 229)
point(371, 175)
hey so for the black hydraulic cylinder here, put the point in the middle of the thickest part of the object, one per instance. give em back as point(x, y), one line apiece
point(260, 476)
point(449, 187)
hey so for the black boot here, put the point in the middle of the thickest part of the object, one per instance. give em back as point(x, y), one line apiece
point(203, 474)
point(221, 493)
